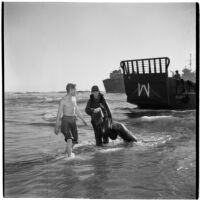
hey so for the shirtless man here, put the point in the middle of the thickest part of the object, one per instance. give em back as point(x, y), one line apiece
point(68, 109)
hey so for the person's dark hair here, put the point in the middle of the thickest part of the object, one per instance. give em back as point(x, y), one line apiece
point(95, 88)
point(70, 86)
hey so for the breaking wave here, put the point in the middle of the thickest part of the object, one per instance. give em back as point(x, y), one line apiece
point(154, 118)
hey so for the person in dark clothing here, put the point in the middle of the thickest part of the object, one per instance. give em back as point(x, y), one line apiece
point(99, 111)
point(177, 75)
point(179, 84)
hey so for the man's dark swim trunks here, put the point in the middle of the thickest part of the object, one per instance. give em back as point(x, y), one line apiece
point(69, 128)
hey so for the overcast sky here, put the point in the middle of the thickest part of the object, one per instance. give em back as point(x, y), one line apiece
point(48, 45)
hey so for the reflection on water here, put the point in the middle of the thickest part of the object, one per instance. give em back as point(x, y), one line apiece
point(160, 165)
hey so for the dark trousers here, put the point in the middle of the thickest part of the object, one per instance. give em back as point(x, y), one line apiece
point(100, 136)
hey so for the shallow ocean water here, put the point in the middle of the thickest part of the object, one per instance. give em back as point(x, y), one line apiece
point(162, 164)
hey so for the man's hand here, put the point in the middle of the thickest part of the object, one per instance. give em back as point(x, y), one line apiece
point(96, 110)
point(85, 123)
point(110, 118)
point(56, 130)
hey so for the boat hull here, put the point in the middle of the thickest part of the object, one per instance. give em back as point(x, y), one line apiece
point(151, 93)
point(114, 85)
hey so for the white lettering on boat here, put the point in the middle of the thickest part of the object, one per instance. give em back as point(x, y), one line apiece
point(143, 87)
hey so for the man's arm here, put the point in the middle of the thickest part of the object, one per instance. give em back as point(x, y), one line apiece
point(107, 107)
point(60, 110)
point(79, 114)
point(88, 109)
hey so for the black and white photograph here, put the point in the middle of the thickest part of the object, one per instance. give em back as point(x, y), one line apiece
point(99, 100)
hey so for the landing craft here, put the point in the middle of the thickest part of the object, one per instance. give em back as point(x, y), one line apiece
point(114, 84)
point(148, 86)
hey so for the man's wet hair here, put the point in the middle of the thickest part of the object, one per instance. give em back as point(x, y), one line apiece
point(70, 86)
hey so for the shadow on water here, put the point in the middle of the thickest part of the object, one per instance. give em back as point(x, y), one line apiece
point(78, 178)
point(94, 186)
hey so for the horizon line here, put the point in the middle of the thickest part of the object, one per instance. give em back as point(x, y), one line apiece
point(47, 91)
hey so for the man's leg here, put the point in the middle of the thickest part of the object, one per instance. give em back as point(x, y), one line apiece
point(74, 132)
point(65, 151)
point(98, 135)
point(69, 147)
point(71, 137)
point(105, 138)
point(67, 134)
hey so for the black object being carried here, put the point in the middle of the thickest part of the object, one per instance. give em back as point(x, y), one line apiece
point(102, 121)
point(115, 129)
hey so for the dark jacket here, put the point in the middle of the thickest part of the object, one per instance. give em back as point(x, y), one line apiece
point(95, 103)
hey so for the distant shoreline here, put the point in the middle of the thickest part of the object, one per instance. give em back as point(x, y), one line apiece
point(79, 91)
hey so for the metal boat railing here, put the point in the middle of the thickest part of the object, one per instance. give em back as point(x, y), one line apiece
point(146, 66)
